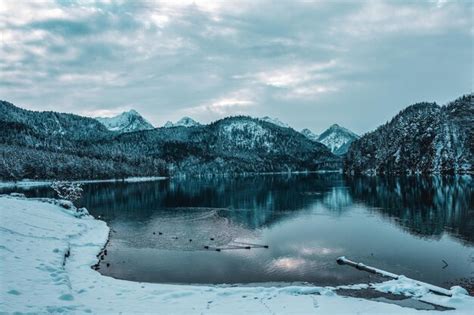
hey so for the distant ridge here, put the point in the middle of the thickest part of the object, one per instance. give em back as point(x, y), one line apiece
point(49, 145)
point(183, 122)
point(125, 122)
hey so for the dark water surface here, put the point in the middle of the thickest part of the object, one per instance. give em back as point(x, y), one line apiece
point(404, 225)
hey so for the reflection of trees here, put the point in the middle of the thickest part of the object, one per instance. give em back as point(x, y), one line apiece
point(255, 200)
point(426, 206)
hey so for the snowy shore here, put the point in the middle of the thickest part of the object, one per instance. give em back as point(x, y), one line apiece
point(47, 251)
point(37, 183)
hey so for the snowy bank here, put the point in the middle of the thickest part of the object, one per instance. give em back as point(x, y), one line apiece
point(37, 183)
point(47, 251)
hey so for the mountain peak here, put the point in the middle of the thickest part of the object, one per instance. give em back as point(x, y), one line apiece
point(183, 122)
point(309, 134)
point(125, 122)
point(337, 139)
point(132, 112)
point(275, 121)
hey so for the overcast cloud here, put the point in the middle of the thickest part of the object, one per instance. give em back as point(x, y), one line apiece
point(308, 63)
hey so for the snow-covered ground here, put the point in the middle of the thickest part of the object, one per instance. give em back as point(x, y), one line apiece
point(38, 183)
point(47, 251)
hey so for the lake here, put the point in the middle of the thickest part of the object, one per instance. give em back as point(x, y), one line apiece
point(421, 227)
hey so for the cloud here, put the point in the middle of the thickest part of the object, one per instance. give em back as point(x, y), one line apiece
point(297, 80)
point(312, 63)
point(376, 18)
point(105, 78)
point(230, 104)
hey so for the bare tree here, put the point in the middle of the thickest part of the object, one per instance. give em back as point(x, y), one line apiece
point(68, 190)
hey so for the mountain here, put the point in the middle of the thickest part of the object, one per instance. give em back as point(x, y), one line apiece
point(275, 121)
point(64, 146)
point(309, 134)
point(183, 122)
point(15, 121)
point(125, 122)
point(338, 139)
point(423, 138)
point(231, 145)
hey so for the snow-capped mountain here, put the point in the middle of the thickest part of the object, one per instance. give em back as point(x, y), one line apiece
point(309, 134)
point(422, 138)
point(275, 121)
point(57, 145)
point(125, 122)
point(183, 122)
point(337, 139)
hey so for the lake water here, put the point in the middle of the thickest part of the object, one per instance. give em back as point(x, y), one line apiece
point(409, 226)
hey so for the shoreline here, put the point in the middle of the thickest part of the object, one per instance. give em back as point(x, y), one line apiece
point(48, 267)
point(27, 183)
point(24, 183)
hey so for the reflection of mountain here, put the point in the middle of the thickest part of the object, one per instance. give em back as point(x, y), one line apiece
point(424, 206)
point(337, 199)
point(253, 201)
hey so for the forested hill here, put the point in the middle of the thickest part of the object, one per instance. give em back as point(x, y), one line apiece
point(424, 137)
point(45, 145)
point(41, 124)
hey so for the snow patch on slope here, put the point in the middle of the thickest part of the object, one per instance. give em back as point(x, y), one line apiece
point(337, 139)
point(275, 121)
point(183, 122)
point(309, 134)
point(125, 122)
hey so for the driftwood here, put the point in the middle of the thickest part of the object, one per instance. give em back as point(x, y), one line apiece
point(251, 244)
point(435, 289)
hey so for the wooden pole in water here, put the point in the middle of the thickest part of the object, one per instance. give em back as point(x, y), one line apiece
point(344, 261)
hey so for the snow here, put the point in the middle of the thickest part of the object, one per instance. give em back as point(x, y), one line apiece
point(336, 137)
point(36, 235)
point(275, 121)
point(125, 122)
point(309, 134)
point(38, 183)
point(183, 122)
point(248, 134)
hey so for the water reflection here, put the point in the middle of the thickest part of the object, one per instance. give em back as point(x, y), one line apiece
point(251, 201)
point(308, 220)
point(424, 206)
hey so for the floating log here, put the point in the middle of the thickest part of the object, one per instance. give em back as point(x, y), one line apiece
point(254, 245)
point(435, 289)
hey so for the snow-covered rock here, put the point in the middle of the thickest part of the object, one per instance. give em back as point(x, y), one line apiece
point(125, 122)
point(337, 139)
point(183, 122)
point(309, 134)
point(275, 121)
point(46, 254)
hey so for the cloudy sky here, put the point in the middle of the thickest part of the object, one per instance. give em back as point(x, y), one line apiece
point(308, 63)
